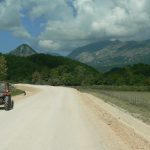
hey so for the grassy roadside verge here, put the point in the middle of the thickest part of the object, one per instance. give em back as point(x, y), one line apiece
point(116, 88)
point(135, 102)
point(16, 92)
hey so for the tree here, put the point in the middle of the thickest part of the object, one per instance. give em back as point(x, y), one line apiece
point(67, 79)
point(45, 74)
point(3, 68)
point(36, 77)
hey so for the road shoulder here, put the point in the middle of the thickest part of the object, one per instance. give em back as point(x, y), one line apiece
point(30, 90)
point(131, 130)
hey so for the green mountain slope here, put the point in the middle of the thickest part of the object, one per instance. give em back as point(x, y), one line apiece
point(56, 70)
point(23, 50)
point(106, 55)
point(138, 74)
point(46, 69)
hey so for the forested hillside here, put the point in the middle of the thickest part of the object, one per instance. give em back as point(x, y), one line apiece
point(57, 70)
point(138, 74)
point(46, 69)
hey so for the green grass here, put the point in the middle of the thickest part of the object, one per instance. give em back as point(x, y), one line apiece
point(16, 92)
point(116, 88)
point(135, 102)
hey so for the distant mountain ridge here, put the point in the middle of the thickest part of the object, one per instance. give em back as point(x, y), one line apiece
point(105, 55)
point(23, 50)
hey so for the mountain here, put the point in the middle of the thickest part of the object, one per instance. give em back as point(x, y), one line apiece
point(23, 50)
point(105, 55)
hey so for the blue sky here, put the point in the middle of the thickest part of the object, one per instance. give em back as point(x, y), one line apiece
point(62, 25)
point(9, 41)
point(71, 5)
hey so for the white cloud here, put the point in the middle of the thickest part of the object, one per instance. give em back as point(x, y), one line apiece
point(10, 18)
point(20, 32)
point(94, 20)
point(48, 44)
point(9, 15)
point(97, 20)
point(50, 10)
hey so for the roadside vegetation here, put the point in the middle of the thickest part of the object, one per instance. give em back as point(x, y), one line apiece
point(3, 68)
point(57, 70)
point(16, 92)
point(115, 87)
point(135, 102)
point(138, 74)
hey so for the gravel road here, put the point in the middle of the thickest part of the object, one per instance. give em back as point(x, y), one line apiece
point(59, 118)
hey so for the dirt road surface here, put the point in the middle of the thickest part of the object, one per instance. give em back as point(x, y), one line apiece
point(59, 118)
